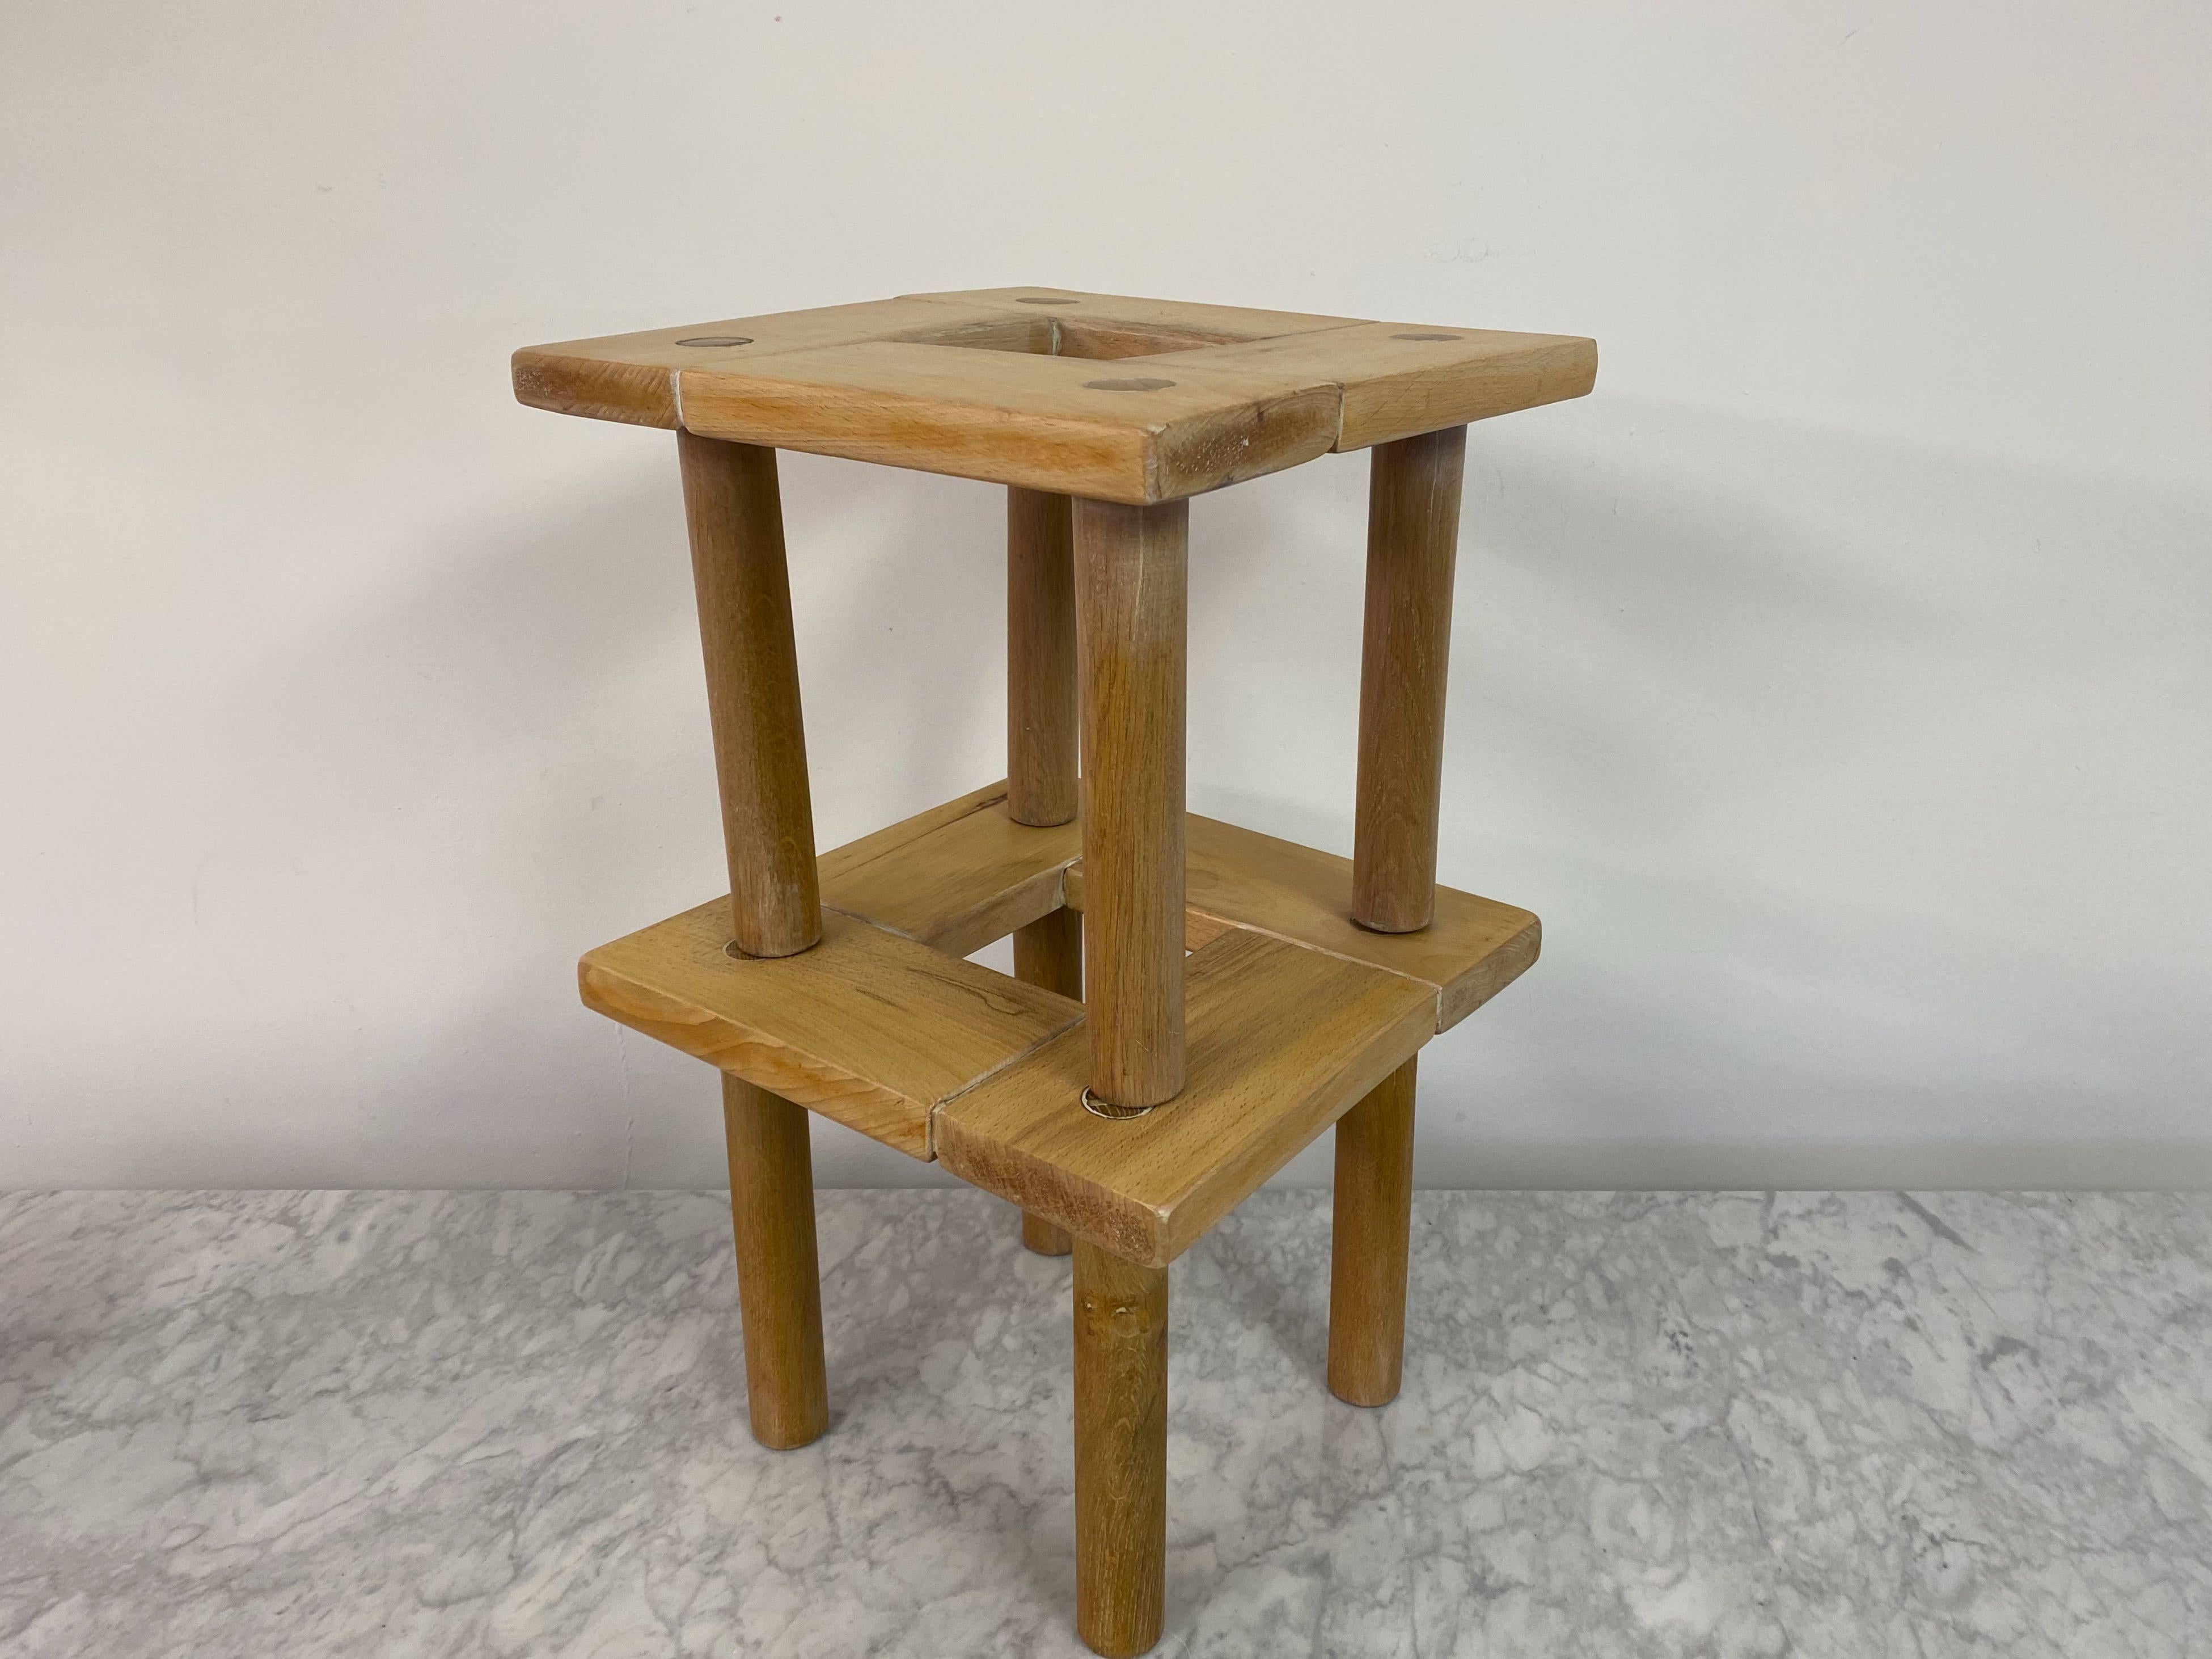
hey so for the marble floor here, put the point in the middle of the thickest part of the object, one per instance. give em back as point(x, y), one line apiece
point(514, 1423)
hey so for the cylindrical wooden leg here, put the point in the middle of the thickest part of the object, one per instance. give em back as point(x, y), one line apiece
point(1368, 1247)
point(1130, 581)
point(1120, 1450)
point(1413, 541)
point(1050, 952)
point(779, 1276)
point(1044, 1237)
point(1040, 737)
point(736, 517)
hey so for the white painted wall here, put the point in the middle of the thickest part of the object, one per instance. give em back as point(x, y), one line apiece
point(1835, 682)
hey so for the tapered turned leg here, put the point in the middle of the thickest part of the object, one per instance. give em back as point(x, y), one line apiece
point(1050, 952)
point(1368, 1246)
point(1120, 1450)
point(779, 1277)
point(1040, 737)
point(1130, 584)
point(1412, 545)
point(736, 518)
point(1413, 541)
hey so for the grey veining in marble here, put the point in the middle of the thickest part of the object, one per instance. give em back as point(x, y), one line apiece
point(514, 1423)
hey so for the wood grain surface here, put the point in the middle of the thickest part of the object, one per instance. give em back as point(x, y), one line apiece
point(779, 1277)
point(867, 1028)
point(1413, 545)
point(1283, 1040)
point(736, 517)
point(1120, 1451)
point(1131, 576)
point(1368, 1243)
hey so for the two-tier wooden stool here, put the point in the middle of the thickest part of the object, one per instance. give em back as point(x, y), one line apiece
point(1242, 994)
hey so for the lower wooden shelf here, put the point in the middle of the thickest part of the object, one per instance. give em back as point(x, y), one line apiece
point(963, 874)
point(1293, 1014)
point(954, 877)
point(867, 1028)
point(1281, 1040)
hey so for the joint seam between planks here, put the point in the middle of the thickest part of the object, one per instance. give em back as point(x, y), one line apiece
point(1436, 991)
point(973, 1082)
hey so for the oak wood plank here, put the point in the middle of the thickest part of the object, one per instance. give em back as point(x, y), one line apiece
point(1472, 949)
point(1401, 378)
point(951, 887)
point(631, 377)
point(1282, 1040)
point(840, 860)
point(867, 1028)
point(960, 884)
point(1068, 425)
point(1048, 952)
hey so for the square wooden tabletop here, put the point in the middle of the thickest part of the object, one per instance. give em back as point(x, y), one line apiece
point(1105, 396)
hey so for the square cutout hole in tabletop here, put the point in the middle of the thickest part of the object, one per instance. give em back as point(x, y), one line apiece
point(1098, 338)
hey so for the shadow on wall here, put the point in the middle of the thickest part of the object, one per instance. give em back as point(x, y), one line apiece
point(1861, 788)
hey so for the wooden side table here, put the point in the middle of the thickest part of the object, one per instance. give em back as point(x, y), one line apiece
point(1243, 993)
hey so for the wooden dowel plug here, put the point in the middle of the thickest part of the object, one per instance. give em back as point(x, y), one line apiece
point(736, 518)
point(1130, 581)
point(1413, 542)
point(1120, 1450)
point(1369, 1244)
point(779, 1276)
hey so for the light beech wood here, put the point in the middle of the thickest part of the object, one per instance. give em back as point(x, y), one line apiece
point(1125, 1125)
point(1055, 334)
point(1130, 577)
point(958, 876)
point(963, 875)
point(1006, 385)
point(1473, 948)
point(1043, 1237)
point(1041, 729)
point(1370, 1242)
point(1412, 545)
point(1120, 1451)
point(959, 884)
point(779, 1279)
point(1398, 380)
point(867, 1028)
point(632, 377)
point(840, 861)
point(1064, 424)
point(736, 518)
point(1049, 952)
point(1282, 1041)
point(1079, 307)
